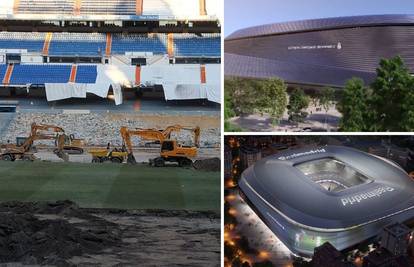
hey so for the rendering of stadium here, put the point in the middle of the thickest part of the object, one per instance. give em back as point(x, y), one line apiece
point(327, 194)
point(320, 52)
point(66, 48)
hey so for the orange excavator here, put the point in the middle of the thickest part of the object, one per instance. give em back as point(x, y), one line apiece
point(153, 135)
point(12, 152)
point(171, 151)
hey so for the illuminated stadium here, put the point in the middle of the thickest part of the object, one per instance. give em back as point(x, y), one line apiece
point(328, 194)
point(320, 52)
point(62, 49)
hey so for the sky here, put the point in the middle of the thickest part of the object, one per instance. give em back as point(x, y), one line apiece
point(240, 14)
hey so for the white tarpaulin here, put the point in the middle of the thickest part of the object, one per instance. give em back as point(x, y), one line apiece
point(178, 81)
point(183, 81)
point(58, 91)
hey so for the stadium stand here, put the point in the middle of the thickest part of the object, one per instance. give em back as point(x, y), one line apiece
point(111, 7)
point(89, 46)
point(95, 43)
point(77, 44)
point(45, 7)
point(192, 45)
point(86, 74)
point(40, 74)
point(48, 73)
point(155, 43)
point(32, 42)
point(161, 8)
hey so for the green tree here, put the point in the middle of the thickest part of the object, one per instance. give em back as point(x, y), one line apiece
point(241, 93)
point(298, 101)
point(392, 99)
point(228, 114)
point(353, 106)
point(271, 98)
point(326, 100)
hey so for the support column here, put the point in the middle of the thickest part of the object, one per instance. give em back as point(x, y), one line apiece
point(73, 72)
point(137, 75)
point(9, 73)
point(203, 11)
point(46, 44)
point(203, 76)
point(139, 6)
point(16, 5)
point(108, 48)
point(170, 41)
point(77, 7)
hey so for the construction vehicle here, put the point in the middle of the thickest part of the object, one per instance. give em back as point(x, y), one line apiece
point(114, 155)
point(151, 134)
point(171, 151)
point(73, 145)
point(12, 152)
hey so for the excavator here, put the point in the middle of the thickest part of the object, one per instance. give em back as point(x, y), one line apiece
point(152, 135)
point(171, 151)
point(12, 152)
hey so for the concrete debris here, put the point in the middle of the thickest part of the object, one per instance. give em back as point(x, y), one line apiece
point(100, 128)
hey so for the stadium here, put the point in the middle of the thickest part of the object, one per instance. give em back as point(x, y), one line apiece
point(320, 52)
point(327, 194)
point(61, 49)
point(101, 76)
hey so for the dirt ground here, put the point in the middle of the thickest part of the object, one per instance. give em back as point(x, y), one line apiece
point(62, 234)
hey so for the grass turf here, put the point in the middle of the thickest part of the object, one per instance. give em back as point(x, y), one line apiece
point(111, 185)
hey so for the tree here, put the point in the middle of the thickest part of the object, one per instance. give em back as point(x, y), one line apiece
point(392, 99)
point(353, 106)
point(241, 93)
point(271, 98)
point(298, 101)
point(326, 100)
point(228, 114)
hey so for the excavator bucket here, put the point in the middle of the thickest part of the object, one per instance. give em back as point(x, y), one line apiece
point(131, 159)
point(62, 155)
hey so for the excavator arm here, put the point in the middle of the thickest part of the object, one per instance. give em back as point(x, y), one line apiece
point(126, 135)
point(47, 132)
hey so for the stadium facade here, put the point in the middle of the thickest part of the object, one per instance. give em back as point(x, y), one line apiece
point(320, 52)
point(327, 194)
point(69, 48)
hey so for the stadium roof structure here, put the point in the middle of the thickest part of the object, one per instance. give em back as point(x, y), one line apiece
point(323, 24)
point(337, 194)
point(320, 52)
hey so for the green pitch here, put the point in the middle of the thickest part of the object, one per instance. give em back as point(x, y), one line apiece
point(111, 185)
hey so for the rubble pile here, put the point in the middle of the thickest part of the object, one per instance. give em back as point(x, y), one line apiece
point(100, 128)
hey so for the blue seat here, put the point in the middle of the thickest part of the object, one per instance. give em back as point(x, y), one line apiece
point(139, 43)
point(40, 74)
point(86, 74)
point(195, 46)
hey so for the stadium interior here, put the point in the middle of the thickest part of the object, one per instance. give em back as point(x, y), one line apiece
point(60, 49)
point(332, 175)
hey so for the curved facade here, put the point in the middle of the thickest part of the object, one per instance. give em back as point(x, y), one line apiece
point(322, 51)
point(329, 194)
